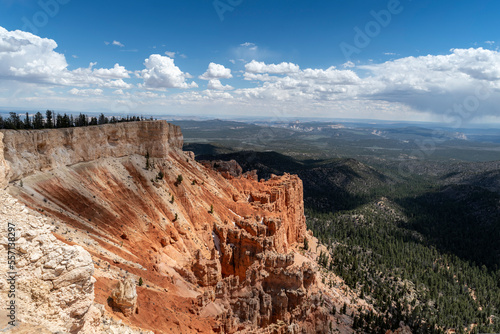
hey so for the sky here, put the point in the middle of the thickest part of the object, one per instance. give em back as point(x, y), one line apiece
point(404, 60)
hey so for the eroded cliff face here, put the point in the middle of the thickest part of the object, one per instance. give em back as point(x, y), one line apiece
point(217, 253)
point(27, 152)
point(4, 167)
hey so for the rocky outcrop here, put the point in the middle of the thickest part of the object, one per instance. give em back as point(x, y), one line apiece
point(42, 150)
point(276, 290)
point(55, 287)
point(207, 271)
point(125, 296)
point(282, 197)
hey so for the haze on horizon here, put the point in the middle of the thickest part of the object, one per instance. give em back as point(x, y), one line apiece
point(387, 60)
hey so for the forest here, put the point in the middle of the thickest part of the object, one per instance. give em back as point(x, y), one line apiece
point(418, 257)
point(51, 120)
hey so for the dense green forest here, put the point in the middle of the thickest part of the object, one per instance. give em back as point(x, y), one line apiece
point(420, 255)
point(52, 120)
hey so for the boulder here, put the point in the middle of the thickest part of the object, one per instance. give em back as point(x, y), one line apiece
point(125, 296)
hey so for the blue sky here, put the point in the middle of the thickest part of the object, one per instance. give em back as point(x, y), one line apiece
point(401, 60)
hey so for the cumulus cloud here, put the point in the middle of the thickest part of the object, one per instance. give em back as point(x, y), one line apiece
point(260, 67)
point(216, 71)
point(117, 72)
point(461, 80)
point(215, 84)
point(438, 83)
point(28, 58)
point(287, 81)
point(161, 73)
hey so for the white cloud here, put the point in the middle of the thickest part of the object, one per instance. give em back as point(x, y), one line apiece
point(348, 64)
point(171, 54)
point(149, 95)
point(161, 73)
point(437, 83)
point(117, 72)
point(215, 84)
point(216, 71)
point(28, 58)
point(116, 43)
point(260, 67)
point(86, 92)
point(250, 46)
point(430, 84)
point(490, 42)
point(331, 76)
point(116, 84)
